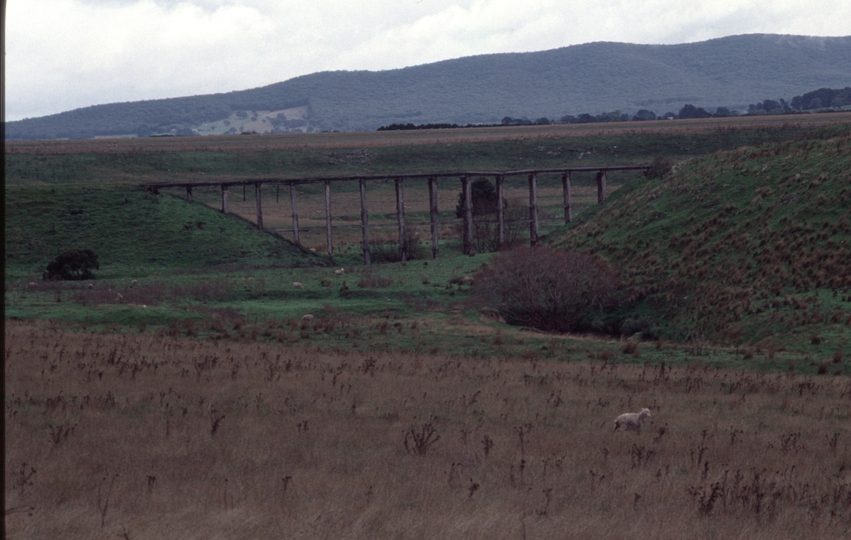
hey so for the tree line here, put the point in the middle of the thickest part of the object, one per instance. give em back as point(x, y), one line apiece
point(823, 99)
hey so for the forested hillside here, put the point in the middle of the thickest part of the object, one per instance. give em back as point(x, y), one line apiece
point(730, 72)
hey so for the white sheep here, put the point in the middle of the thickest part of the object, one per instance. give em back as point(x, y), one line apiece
point(134, 283)
point(297, 285)
point(631, 421)
point(307, 318)
point(340, 272)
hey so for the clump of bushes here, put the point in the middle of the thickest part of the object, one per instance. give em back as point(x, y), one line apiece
point(551, 290)
point(385, 249)
point(76, 264)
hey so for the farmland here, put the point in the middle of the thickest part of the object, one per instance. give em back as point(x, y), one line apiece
point(181, 394)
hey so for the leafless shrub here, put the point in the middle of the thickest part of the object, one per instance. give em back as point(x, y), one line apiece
point(547, 289)
point(23, 477)
point(103, 498)
point(61, 432)
point(385, 248)
point(419, 442)
point(631, 347)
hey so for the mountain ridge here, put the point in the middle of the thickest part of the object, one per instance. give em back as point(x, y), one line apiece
point(593, 77)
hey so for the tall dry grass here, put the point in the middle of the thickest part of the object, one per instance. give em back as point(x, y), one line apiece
point(140, 436)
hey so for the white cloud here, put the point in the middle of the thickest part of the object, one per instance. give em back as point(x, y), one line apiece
point(64, 54)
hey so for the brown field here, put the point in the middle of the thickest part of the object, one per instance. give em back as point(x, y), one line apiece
point(143, 435)
point(374, 139)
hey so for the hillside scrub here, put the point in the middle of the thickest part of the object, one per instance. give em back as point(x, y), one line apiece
point(737, 245)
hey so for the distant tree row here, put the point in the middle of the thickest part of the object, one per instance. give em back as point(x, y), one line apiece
point(410, 126)
point(824, 98)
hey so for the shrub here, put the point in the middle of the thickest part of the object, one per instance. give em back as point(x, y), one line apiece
point(548, 289)
point(659, 168)
point(76, 264)
point(386, 248)
point(639, 325)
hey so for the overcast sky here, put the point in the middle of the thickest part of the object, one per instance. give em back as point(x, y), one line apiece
point(66, 54)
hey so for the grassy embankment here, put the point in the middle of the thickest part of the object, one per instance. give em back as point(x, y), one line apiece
point(749, 246)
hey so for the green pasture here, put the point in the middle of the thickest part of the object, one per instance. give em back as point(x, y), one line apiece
point(737, 258)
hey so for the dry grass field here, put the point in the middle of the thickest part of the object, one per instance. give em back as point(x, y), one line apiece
point(141, 435)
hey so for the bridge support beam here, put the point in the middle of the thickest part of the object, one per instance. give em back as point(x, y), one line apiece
point(224, 199)
point(364, 219)
point(432, 200)
point(257, 200)
point(468, 214)
point(328, 240)
point(500, 212)
point(601, 186)
point(533, 209)
point(189, 193)
point(400, 219)
point(295, 215)
point(568, 210)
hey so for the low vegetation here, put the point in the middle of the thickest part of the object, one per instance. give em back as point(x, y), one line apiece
point(148, 435)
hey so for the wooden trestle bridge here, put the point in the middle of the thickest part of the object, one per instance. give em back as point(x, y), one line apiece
point(431, 178)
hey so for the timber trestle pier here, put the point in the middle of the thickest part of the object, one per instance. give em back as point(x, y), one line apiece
point(400, 179)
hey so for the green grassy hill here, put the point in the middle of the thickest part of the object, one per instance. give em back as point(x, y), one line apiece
point(131, 229)
point(591, 78)
point(739, 245)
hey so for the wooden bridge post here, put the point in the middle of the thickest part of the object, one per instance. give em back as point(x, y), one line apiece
point(435, 233)
point(400, 218)
point(257, 199)
point(533, 209)
point(224, 199)
point(295, 215)
point(364, 219)
point(189, 193)
point(601, 186)
point(328, 239)
point(565, 184)
point(500, 212)
point(468, 214)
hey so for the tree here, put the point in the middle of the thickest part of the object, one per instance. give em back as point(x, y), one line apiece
point(644, 114)
point(484, 196)
point(690, 111)
point(72, 265)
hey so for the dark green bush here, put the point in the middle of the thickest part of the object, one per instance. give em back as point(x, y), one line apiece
point(76, 264)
